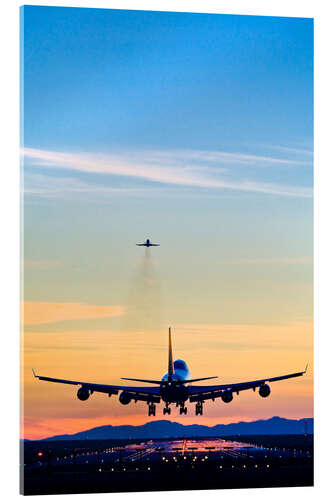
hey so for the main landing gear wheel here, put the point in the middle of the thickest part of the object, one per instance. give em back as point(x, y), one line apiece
point(151, 409)
point(182, 410)
point(166, 410)
point(199, 408)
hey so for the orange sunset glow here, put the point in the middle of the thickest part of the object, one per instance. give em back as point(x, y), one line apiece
point(103, 356)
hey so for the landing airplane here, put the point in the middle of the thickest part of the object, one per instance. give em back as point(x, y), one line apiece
point(173, 388)
point(147, 244)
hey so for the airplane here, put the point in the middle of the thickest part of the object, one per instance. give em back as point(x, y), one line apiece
point(174, 387)
point(147, 244)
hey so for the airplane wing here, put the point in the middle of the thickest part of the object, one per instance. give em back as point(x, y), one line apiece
point(141, 245)
point(202, 392)
point(154, 244)
point(136, 393)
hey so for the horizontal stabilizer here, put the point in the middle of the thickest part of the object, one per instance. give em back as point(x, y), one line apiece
point(142, 380)
point(196, 379)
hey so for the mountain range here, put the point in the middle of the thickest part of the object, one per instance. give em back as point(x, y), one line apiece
point(167, 429)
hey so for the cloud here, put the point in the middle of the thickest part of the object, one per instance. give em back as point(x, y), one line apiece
point(198, 169)
point(223, 156)
point(35, 313)
point(298, 151)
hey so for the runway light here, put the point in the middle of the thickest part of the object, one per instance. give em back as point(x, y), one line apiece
point(40, 454)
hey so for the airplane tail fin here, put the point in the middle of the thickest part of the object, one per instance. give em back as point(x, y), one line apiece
point(170, 365)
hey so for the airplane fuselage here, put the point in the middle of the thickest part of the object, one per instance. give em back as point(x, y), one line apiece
point(170, 390)
point(147, 244)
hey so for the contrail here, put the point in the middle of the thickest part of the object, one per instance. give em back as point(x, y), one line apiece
point(144, 302)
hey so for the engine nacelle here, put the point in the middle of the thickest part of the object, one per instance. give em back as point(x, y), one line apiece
point(124, 398)
point(227, 396)
point(83, 394)
point(264, 390)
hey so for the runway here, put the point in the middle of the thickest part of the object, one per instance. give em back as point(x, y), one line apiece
point(167, 464)
point(193, 450)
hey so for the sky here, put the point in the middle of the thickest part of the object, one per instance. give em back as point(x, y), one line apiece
point(193, 130)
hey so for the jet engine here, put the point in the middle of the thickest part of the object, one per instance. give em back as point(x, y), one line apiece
point(83, 394)
point(124, 398)
point(227, 396)
point(264, 390)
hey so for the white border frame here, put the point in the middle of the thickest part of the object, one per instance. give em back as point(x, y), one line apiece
point(9, 225)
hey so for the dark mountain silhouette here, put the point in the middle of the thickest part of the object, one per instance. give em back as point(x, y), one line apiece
point(166, 429)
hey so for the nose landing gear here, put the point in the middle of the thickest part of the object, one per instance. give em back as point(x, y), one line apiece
point(199, 408)
point(151, 409)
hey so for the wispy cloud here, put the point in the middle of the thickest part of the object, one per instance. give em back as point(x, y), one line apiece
point(199, 169)
point(226, 157)
point(35, 313)
point(298, 151)
point(53, 187)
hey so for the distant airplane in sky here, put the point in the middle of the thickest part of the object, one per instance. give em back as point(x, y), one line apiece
point(173, 388)
point(147, 244)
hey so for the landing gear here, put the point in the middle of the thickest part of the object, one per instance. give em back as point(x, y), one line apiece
point(182, 409)
point(151, 409)
point(166, 410)
point(199, 408)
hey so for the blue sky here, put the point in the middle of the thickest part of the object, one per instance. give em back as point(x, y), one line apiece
point(195, 128)
point(110, 79)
